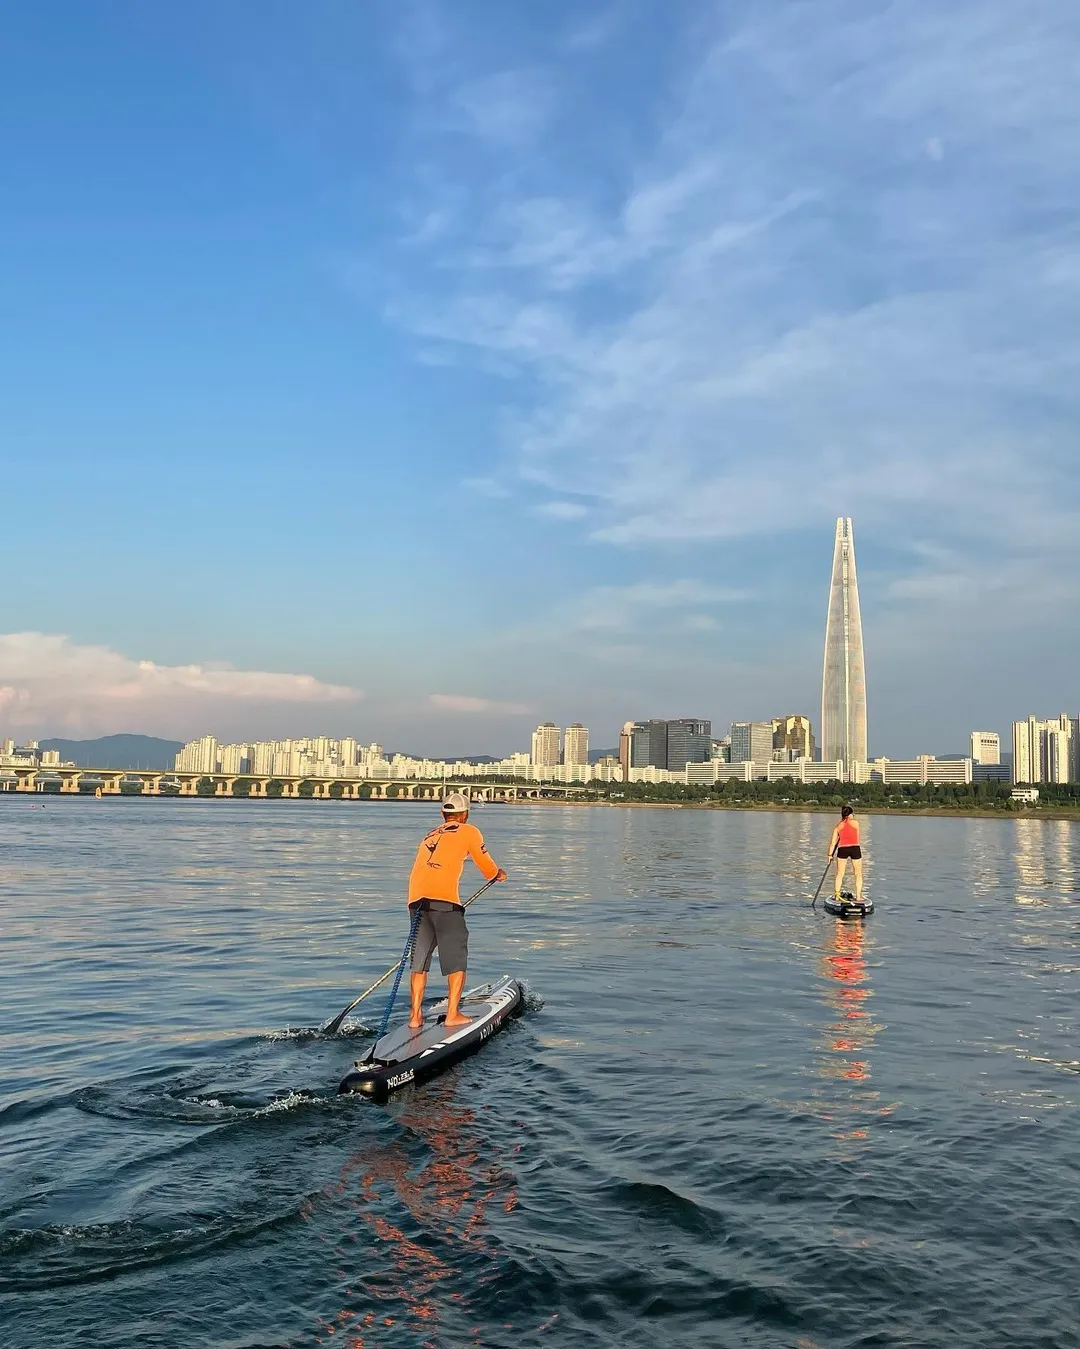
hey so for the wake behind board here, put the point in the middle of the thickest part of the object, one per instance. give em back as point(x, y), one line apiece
point(847, 908)
point(403, 1055)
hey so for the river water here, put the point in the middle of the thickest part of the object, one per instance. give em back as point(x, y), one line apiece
point(724, 1119)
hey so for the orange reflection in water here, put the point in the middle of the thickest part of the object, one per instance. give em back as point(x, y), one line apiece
point(846, 964)
point(447, 1198)
point(847, 1041)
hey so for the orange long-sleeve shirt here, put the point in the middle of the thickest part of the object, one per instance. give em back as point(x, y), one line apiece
point(440, 860)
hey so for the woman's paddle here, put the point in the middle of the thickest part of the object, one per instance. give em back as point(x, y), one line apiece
point(332, 1027)
point(817, 892)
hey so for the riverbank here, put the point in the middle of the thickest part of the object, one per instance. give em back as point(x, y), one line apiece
point(774, 808)
point(949, 812)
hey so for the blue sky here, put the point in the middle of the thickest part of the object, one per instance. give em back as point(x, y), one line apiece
point(419, 371)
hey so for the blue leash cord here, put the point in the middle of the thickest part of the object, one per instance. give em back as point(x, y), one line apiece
point(400, 972)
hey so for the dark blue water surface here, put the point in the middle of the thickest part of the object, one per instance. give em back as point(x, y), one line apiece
point(723, 1120)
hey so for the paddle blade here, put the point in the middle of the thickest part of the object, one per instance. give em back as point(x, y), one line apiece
point(332, 1027)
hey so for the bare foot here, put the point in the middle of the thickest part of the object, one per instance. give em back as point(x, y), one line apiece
point(414, 1024)
point(459, 1020)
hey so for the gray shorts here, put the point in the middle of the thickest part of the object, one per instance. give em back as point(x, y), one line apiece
point(441, 925)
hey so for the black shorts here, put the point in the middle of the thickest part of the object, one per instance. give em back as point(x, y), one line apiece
point(854, 852)
point(441, 925)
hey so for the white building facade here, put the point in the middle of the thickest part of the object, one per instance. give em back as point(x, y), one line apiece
point(1046, 751)
point(985, 747)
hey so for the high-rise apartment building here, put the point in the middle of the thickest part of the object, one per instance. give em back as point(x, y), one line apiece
point(843, 683)
point(576, 744)
point(985, 747)
point(626, 748)
point(793, 738)
point(545, 745)
point(235, 759)
point(1046, 751)
point(689, 740)
point(198, 756)
point(751, 741)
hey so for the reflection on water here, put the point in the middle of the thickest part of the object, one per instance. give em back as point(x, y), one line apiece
point(638, 1161)
point(390, 1199)
point(1045, 859)
point(846, 1042)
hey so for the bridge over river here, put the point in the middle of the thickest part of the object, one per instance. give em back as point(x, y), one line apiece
point(107, 782)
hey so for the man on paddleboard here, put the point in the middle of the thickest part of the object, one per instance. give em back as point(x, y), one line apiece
point(433, 885)
point(846, 843)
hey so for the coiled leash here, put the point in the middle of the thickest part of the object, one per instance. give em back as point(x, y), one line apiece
point(400, 971)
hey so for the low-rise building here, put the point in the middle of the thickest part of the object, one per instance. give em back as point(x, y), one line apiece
point(923, 770)
point(991, 772)
point(718, 770)
point(802, 770)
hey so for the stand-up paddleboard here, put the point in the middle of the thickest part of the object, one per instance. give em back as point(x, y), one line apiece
point(403, 1055)
point(846, 907)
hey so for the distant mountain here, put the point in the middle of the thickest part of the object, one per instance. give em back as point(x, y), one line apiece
point(118, 751)
point(595, 755)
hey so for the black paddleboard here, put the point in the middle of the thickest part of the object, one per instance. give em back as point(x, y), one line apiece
point(847, 908)
point(403, 1055)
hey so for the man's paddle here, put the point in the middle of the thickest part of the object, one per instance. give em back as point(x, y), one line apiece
point(332, 1027)
point(817, 892)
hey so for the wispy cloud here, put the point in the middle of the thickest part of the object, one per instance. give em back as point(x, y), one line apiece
point(508, 108)
point(624, 608)
point(461, 702)
point(561, 510)
point(49, 684)
point(842, 278)
point(614, 620)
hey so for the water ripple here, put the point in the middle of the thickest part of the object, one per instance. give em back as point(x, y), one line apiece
point(725, 1119)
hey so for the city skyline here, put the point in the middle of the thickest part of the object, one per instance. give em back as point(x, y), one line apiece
point(843, 727)
point(545, 404)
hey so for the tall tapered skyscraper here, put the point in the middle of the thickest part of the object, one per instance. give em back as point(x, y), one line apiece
point(843, 684)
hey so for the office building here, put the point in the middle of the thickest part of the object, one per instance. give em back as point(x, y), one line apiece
point(843, 682)
point(985, 747)
point(991, 772)
point(633, 746)
point(1046, 751)
point(545, 745)
point(668, 744)
point(576, 745)
point(689, 740)
point(793, 738)
point(751, 741)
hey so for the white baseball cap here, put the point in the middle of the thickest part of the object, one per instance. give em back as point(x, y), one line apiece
point(457, 803)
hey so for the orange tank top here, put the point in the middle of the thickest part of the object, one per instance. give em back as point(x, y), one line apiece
point(848, 837)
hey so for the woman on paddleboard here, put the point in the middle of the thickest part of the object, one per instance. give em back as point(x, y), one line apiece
point(846, 846)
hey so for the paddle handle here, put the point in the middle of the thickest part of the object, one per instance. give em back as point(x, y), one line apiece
point(820, 883)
